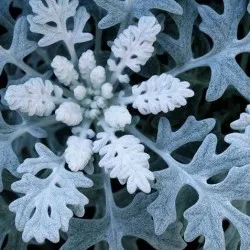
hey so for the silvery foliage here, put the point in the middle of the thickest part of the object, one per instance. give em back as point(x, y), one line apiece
point(93, 118)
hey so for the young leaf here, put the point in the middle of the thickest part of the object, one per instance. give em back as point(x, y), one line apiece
point(160, 94)
point(124, 158)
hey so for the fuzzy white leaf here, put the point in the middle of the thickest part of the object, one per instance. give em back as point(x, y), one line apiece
point(78, 153)
point(98, 76)
point(33, 97)
point(69, 113)
point(160, 94)
point(20, 46)
point(43, 210)
point(124, 158)
point(117, 117)
point(64, 70)
point(87, 63)
point(135, 44)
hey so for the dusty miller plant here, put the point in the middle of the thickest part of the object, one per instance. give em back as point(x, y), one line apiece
point(123, 124)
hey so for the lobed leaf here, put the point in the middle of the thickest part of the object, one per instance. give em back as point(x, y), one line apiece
point(43, 210)
point(118, 10)
point(132, 220)
point(20, 47)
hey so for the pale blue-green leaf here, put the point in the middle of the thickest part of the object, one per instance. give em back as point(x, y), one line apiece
point(132, 220)
point(8, 159)
point(80, 19)
point(6, 21)
point(8, 230)
point(119, 11)
point(222, 28)
point(191, 131)
point(214, 204)
point(20, 47)
point(180, 49)
point(43, 210)
point(241, 140)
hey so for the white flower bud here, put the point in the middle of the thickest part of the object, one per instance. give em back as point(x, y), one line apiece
point(117, 117)
point(64, 70)
point(101, 102)
point(69, 113)
point(86, 63)
point(107, 90)
point(90, 133)
point(78, 153)
point(33, 97)
point(112, 65)
point(93, 113)
point(97, 92)
point(97, 76)
point(80, 92)
point(93, 105)
point(87, 102)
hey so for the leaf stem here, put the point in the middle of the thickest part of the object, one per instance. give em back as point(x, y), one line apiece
point(109, 199)
point(27, 69)
point(147, 142)
point(71, 48)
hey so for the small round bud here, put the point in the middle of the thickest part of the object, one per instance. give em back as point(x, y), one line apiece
point(80, 92)
point(107, 89)
point(97, 92)
point(93, 113)
point(87, 102)
point(101, 103)
point(90, 91)
point(97, 76)
point(93, 105)
point(90, 133)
